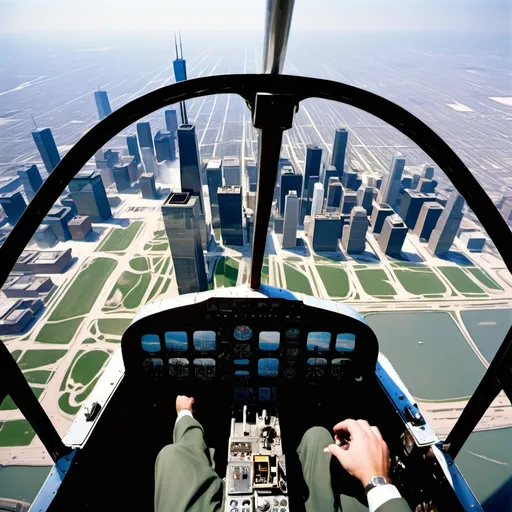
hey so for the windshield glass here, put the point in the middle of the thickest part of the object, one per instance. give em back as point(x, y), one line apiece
point(167, 206)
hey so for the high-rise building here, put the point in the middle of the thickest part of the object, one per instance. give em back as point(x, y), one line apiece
point(291, 219)
point(102, 104)
point(230, 213)
point(380, 212)
point(324, 232)
point(406, 182)
point(47, 148)
point(391, 185)
point(45, 237)
point(14, 205)
point(214, 181)
point(348, 201)
point(133, 147)
point(329, 172)
point(149, 161)
point(69, 203)
point(350, 179)
point(334, 193)
point(89, 196)
point(473, 241)
point(427, 219)
point(164, 146)
point(58, 218)
point(30, 179)
point(354, 235)
point(133, 169)
point(416, 176)
point(448, 224)
point(410, 206)
point(427, 186)
point(365, 198)
point(307, 198)
point(80, 227)
point(427, 172)
point(252, 174)
point(144, 135)
point(318, 200)
point(290, 180)
point(122, 178)
point(313, 165)
point(171, 122)
point(190, 163)
point(231, 167)
point(339, 149)
point(148, 186)
point(181, 213)
point(393, 235)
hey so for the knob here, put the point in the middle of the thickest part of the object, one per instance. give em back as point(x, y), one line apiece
point(263, 505)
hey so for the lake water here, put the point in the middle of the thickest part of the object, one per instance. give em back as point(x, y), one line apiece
point(22, 482)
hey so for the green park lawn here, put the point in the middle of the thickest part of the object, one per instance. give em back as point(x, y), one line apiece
point(66, 406)
point(485, 279)
point(226, 272)
point(335, 280)
point(9, 405)
point(60, 332)
point(113, 325)
point(375, 282)
point(296, 281)
point(36, 358)
point(460, 280)
point(38, 376)
point(420, 280)
point(155, 288)
point(139, 264)
point(16, 433)
point(15, 354)
point(120, 239)
point(88, 366)
point(81, 295)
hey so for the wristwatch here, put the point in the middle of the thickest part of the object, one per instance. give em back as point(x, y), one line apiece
point(376, 481)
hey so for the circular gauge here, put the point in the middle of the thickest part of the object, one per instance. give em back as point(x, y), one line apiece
point(242, 351)
point(292, 333)
point(290, 373)
point(292, 353)
point(242, 333)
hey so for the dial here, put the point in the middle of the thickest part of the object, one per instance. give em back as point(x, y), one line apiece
point(292, 353)
point(242, 333)
point(292, 333)
point(242, 351)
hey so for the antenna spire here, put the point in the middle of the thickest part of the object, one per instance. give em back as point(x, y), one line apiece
point(33, 120)
point(181, 46)
point(175, 45)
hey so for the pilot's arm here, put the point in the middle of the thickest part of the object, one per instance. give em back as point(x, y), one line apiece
point(365, 458)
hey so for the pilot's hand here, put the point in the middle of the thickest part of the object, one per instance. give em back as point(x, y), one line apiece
point(366, 455)
point(184, 402)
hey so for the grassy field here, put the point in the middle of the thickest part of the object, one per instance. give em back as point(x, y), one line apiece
point(460, 280)
point(120, 239)
point(113, 325)
point(139, 264)
point(9, 405)
point(159, 247)
point(165, 265)
point(485, 279)
point(335, 280)
point(38, 376)
point(153, 291)
point(15, 354)
point(36, 358)
point(375, 282)
point(296, 281)
point(81, 295)
point(420, 281)
point(60, 332)
point(66, 406)
point(16, 433)
point(226, 272)
point(87, 366)
point(134, 297)
point(265, 271)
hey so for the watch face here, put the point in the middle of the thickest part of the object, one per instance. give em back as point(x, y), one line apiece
point(376, 481)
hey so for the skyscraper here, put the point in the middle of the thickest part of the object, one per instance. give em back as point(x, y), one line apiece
point(133, 169)
point(180, 74)
point(410, 206)
point(45, 237)
point(133, 147)
point(214, 181)
point(122, 178)
point(144, 135)
point(149, 161)
point(350, 179)
point(473, 241)
point(171, 122)
point(30, 179)
point(190, 162)
point(318, 200)
point(313, 164)
point(393, 235)
point(339, 149)
point(348, 201)
point(14, 205)
point(365, 198)
point(147, 186)
point(181, 219)
point(329, 172)
point(252, 174)
point(354, 235)
point(58, 218)
point(447, 226)
point(427, 172)
point(47, 148)
point(164, 146)
point(427, 219)
point(334, 193)
point(89, 196)
point(290, 180)
point(427, 186)
point(102, 104)
point(380, 212)
point(230, 213)
point(231, 168)
point(391, 185)
point(325, 232)
point(291, 219)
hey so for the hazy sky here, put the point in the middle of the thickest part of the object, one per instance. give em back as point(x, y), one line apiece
point(86, 16)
